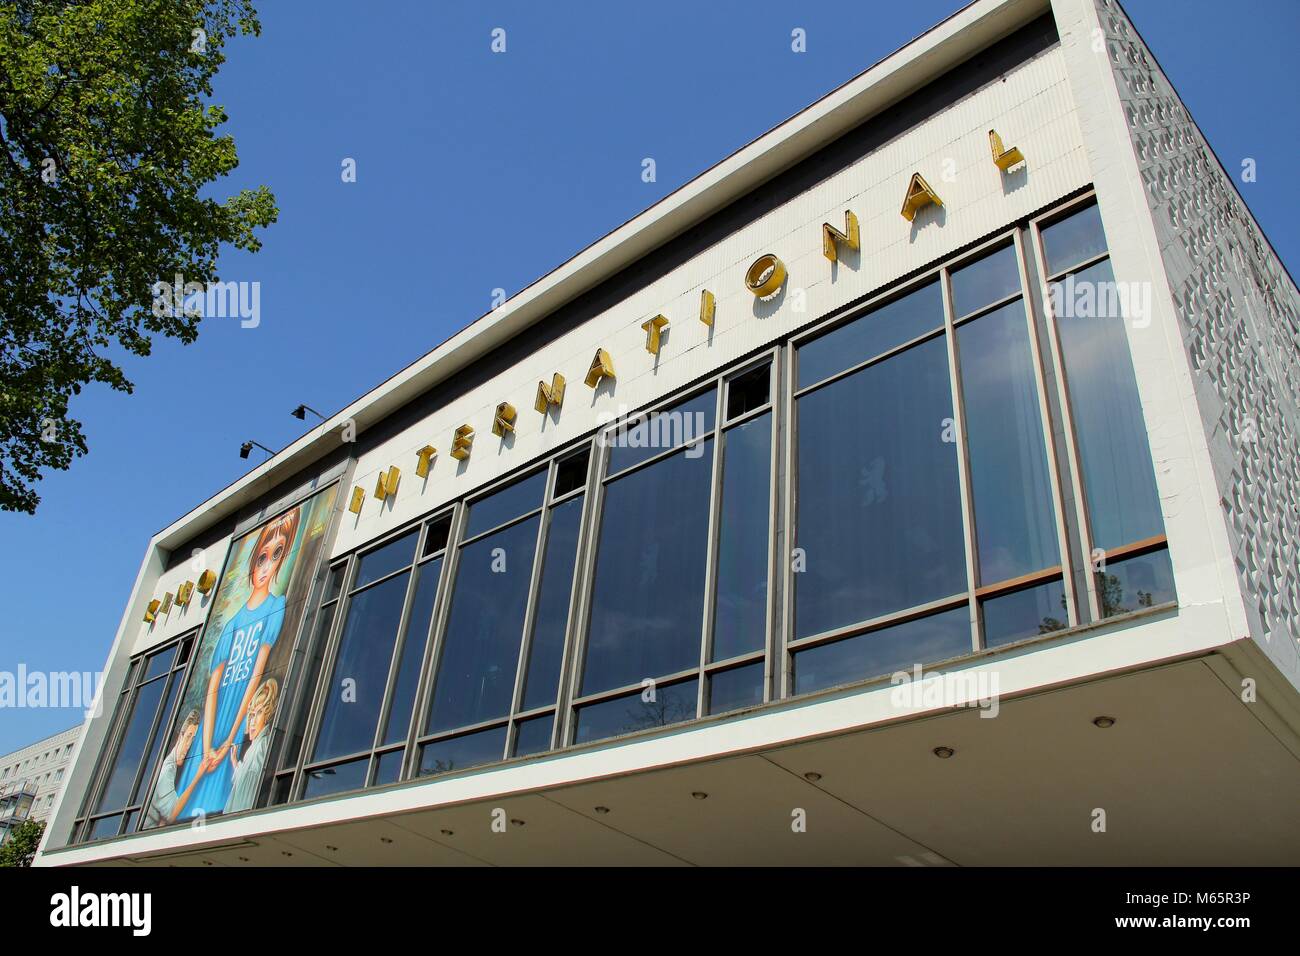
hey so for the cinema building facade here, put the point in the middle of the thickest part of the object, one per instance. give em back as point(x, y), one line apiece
point(918, 486)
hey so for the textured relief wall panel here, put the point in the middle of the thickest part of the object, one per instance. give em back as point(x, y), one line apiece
point(1239, 316)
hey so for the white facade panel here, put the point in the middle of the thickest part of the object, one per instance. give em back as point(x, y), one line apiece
point(1031, 108)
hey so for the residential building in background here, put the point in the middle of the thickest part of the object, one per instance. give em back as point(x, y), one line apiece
point(32, 777)
point(918, 486)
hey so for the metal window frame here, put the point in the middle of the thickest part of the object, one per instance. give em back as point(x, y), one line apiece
point(1068, 498)
point(976, 591)
point(719, 381)
point(124, 709)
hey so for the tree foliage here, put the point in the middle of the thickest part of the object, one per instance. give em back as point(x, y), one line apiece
point(20, 849)
point(108, 138)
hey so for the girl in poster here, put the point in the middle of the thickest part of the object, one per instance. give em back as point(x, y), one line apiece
point(234, 673)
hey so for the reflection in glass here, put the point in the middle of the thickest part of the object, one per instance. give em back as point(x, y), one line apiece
point(160, 663)
point(1015, 523)
point(388, 767)
point(678, 425)
point(336, 779)
point(925, 640)
point(1134, 583)
point(1118, 477)
point(310, 676)
point(480, 650)
point(740, 616)
point(417, 637)
point(879, 331)
point(878, 509)
point(1024, 614)
point(460, 753)
point(551, 618)
point(1074, 239)
point(356, 687)
point(736, 688)
point(510, 502)
point(647, 603)
point(984, 281)
point(155, 748)
point(626, 715)
point(534, 736)
point(105, 827)
point(118, 789)
point(385, 559)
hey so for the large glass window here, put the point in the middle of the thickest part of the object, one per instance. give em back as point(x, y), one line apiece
point(930, 453)
point(500, 657)
point(1124, 519)
point(145, 708)
point(367, 700)
point(678, 614)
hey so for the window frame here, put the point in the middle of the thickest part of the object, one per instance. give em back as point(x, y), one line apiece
point(1087, 582)
point(977, 591)
point(704, 669)
point(141, 785)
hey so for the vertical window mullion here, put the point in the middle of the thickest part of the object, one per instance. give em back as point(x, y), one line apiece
point(576, 652)
point(721, 388)
point(1029, 284)
point(341, 606)
point(399, 645)
point(114, 744)
point(1081, 522)
point(783, 680)
point(963, 460)
point(582, 557)
point(530, 606)
point(773, 637)
point(437, 633)
point(154, 728)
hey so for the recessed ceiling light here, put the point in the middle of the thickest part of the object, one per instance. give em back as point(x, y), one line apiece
point(447, 833)
point(602, 810)
point(331, 848)
point(943, 753)
point(285, 853)
point(516, 823)
point(700, 795)
point(1104, 722)
point(385, 840)
point(812, 776)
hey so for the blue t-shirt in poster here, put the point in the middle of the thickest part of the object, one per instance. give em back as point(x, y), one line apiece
point(241, 639)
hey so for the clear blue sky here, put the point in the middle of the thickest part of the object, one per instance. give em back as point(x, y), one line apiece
point(478, 171)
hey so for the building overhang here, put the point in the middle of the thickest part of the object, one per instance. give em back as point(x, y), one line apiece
point(1188, 774)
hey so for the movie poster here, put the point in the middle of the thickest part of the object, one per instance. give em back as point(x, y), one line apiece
point(220, 744)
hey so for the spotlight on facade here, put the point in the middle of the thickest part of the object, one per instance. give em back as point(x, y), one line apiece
point(248, 446)
point(301, 411)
